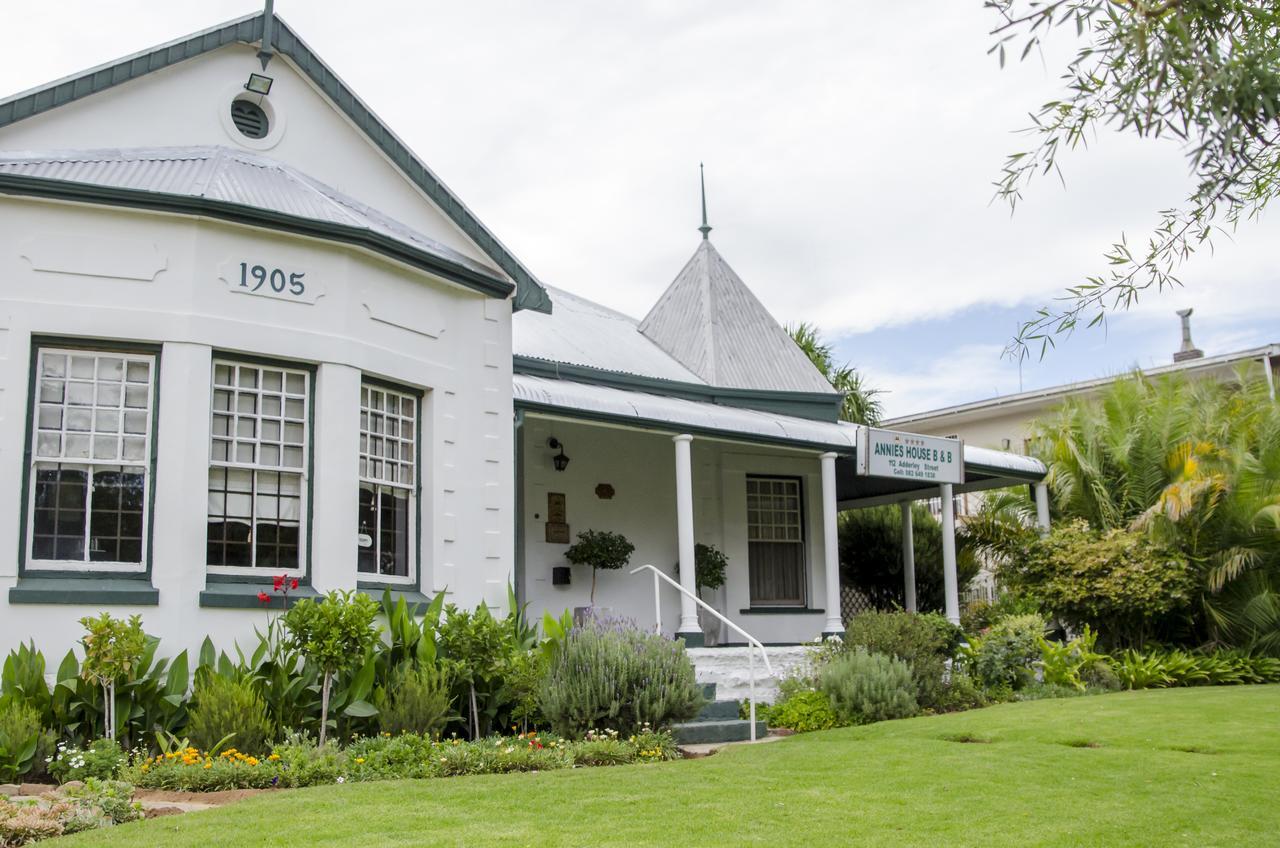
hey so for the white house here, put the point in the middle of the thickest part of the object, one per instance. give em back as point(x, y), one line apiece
point(245, 332)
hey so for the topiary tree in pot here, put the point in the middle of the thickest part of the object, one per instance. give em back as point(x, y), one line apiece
point(709, 565)
point(600, 549)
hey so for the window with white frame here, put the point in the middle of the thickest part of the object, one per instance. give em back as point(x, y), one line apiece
point(258, 456)
point(388, 481)
point(90, 466)
point(775, 541)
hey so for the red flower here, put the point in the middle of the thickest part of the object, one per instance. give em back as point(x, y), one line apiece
point(294, 584)
point(264, 597)
point(277, 582)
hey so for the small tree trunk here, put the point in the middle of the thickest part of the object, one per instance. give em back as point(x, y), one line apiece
point(324, 705)
point(475, 715)
point(593, 587)
point(107, 729)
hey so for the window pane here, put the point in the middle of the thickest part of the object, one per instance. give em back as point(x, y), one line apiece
point(388, 434)
point(58, 518)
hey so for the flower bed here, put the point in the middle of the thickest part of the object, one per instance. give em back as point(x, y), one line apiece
point(299, 761)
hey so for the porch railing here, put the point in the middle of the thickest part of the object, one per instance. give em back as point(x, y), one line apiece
point(753, 643)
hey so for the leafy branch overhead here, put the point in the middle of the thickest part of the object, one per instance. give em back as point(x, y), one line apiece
point(1202, 72)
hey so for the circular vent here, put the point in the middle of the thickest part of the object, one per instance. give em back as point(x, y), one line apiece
point(249, 118)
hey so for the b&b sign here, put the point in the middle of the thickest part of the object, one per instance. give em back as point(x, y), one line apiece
point(908, 456)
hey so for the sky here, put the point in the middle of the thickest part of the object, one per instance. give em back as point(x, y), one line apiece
point(850, 149)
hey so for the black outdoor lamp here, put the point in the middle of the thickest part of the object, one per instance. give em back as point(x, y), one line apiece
point(560, 461)
point(259, 84)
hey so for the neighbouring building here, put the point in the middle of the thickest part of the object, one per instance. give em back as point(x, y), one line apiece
point(246, 332)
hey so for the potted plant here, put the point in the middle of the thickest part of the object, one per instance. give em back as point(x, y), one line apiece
point(709, 564)
point(598, 549)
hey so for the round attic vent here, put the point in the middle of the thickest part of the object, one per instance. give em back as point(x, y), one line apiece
point(250, 119)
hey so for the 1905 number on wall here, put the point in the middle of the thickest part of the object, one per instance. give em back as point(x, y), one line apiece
point(268, 280)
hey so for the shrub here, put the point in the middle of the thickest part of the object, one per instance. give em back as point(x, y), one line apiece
point(600, 549)
point(102, 759)
point(19, 738)
point(418, 702)
point(226, 709)
point(1064, 663)
point(1117, 581)
point(613, 674)
point(709, 564)
point(301, 762)
point(478, 654)
point(114, 798)
point(333, 633)
point(866, 687)
point(803, 711)
point(923, 641)
point(21, 824)
point(602, 748)
point(1005, 656)
point(961, 692)
point(1160, 669)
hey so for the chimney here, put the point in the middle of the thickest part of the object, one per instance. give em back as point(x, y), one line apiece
point(1188, 350)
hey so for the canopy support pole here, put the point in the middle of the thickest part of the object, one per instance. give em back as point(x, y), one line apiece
point(950, 589)
point(908, 558)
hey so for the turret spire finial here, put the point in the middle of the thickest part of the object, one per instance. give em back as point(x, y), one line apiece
point(702, 179)
point(268, 33)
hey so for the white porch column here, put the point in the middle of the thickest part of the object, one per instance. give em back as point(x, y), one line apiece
point(831, 547)
point(1042, 507)
point(950, 591)
point(908, 558)
point(689, 628)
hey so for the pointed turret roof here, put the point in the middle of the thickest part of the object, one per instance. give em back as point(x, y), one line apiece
point(710, 322)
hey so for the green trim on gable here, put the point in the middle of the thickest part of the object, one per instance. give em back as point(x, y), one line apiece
point(815, 406)
point(236, 213)
point(248, 30)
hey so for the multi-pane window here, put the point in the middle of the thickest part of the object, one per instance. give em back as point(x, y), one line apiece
point(388, 481)
point(257, 459)
point(775, 541)
point(91, 448)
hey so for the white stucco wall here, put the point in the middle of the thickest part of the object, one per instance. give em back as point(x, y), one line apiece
point(641, 468)
point(372, 317)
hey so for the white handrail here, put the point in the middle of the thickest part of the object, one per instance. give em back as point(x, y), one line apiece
point(752, 642)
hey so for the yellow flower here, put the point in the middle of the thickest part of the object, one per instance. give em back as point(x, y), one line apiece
point(359, 760)
point(208, 765)
point(274, 757)
point(253, 761)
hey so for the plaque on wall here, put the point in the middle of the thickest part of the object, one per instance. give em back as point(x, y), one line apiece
point(604, 492)
point(557, 532)
point(556, 508)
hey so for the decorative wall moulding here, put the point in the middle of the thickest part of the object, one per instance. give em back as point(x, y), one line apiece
point(416, 320)
point(94, 256)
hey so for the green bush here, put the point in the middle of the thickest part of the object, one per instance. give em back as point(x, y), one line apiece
point(1161, 669)
point(923, 641)
point(613, 674)
point(417, 702)
point(102, 759)
point(228, 710)
point(1005, 657)
point(803, 711)
point(19, 738)
point(961, 692)
point(113, 797)
point(866, 687)
point(600, 549)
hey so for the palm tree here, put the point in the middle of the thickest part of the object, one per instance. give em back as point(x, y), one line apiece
point(861, 402)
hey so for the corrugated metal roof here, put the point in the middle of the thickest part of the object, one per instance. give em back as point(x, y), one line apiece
point(711, 322)
point(680, 414)
point(249, 30)
point(581, 332)
point(229, 176)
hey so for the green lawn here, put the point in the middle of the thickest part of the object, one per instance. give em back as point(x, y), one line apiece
point(1193, 767)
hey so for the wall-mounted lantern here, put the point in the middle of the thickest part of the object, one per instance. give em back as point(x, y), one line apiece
point(560, 461)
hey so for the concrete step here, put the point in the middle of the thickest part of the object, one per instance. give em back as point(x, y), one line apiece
point(718, 711)
point(701, 732)
point(729, 669)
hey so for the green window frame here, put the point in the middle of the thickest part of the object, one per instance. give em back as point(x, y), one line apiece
point(89, 462)
point(261, 457)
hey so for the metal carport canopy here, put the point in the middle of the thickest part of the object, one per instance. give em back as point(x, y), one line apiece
point(984, 469)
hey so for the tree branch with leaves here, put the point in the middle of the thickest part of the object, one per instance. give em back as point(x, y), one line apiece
point(1205, 73)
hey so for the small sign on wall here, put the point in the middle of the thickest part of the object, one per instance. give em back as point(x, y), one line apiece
point(246, 276)
point(557, 519)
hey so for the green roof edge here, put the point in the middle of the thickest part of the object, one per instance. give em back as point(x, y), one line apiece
point(815, 406)
point(248, 30)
